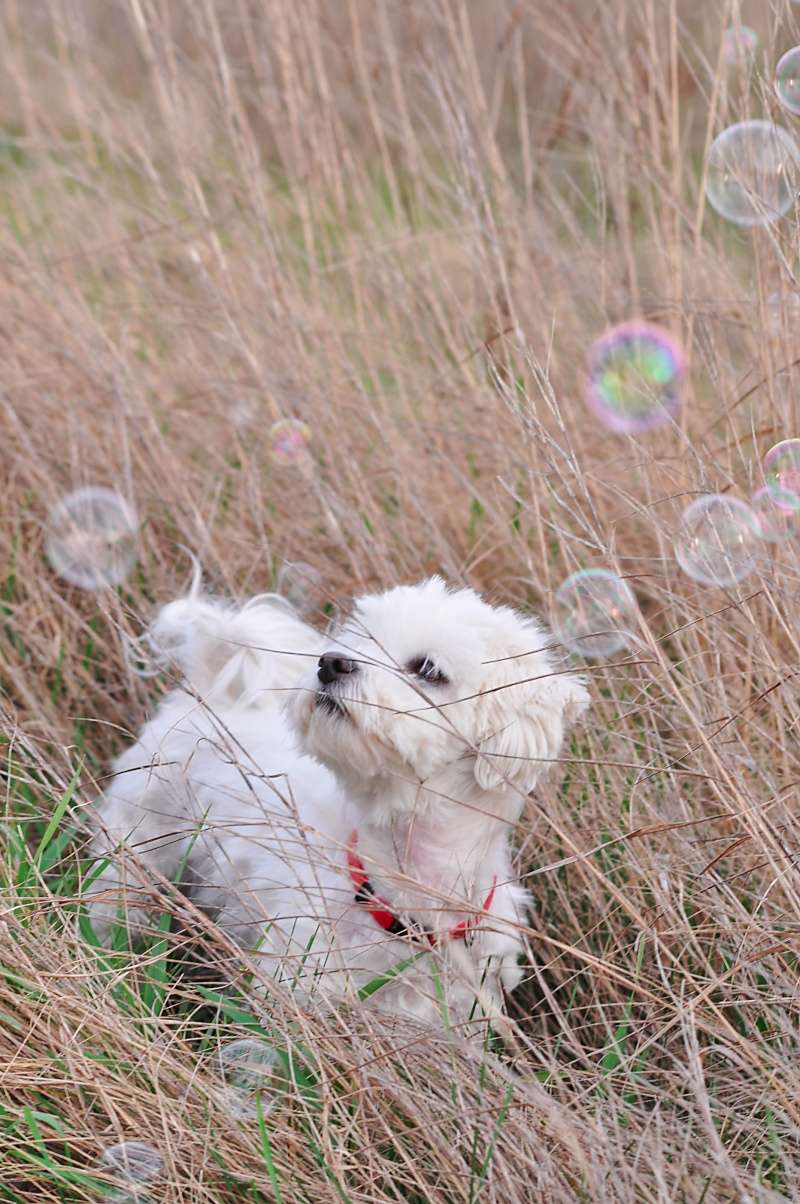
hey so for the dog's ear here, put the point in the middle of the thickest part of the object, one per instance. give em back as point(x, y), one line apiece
point(525, 725)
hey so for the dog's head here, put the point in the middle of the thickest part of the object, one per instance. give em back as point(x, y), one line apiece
point(423, 681)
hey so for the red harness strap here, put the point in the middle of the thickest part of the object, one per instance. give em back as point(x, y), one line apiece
point(385, 917)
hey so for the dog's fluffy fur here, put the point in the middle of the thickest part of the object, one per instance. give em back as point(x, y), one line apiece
point(255, 776)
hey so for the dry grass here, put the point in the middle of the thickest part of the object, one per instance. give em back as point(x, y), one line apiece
point(403, 222)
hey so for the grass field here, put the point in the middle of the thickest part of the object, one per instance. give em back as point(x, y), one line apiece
point(403, 223)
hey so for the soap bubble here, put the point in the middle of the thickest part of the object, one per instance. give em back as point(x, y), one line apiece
point(635, 372)
point(142, 655)
point(752, 172)
point(739, 44)
point(301, 584)
point(133, 1164)
point(782, 473)
point(787, 80)
point(594, 613)
point(776, 514)
point(783, 313)
point(243, 413)
point(717, 541)
point(289, 440)
point(135, 1161)
point(248, 1064)
point(249, 1068)
point(92, 538)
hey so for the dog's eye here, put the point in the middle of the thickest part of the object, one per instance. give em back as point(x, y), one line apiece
point(424, 667)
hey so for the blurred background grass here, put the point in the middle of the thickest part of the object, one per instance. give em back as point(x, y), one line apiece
point(403, 224)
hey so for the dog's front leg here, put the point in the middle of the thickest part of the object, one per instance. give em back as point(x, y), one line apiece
point(498, 943)
point(133, 835)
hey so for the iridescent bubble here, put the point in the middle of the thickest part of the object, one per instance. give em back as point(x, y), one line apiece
point(92, 538)
point(776, 513)
point(289, 440)
point(301, 584)
point(739, 45)
point(752, 172)
point(717, 541)
point(782, 473)
point(635, 372)
point(787, 80)
point(594, 613)
point(133, 1164)
point(249, 1068)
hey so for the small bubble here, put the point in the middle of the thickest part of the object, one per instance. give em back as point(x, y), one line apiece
point(289, 440)
point(717, 540)
point(782, 473)
point(739, 45)
point(776, 514)
point(133, 1164)
point(301, 584)
point(787, 80)
point(135, 1161)
point(248, 1068)
point(783, 313)
point(243, 413)
point(92, 537)
point(594, 613)
point(132, 1195)
point(142, 657)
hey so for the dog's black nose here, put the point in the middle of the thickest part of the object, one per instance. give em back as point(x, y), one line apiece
point(333, 666)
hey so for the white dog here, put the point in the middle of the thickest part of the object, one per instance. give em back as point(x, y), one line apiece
point(343, 806)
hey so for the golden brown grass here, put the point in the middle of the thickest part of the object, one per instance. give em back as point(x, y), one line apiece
point(404, 223)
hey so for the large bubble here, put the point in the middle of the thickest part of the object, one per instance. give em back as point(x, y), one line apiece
point(717, 541)
point(92, 538)
point(752, 172)
point(787, 80)
point(594, 613)
point(635, 372)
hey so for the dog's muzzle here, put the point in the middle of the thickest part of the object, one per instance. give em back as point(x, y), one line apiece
point(332, 670)
point(333, 667)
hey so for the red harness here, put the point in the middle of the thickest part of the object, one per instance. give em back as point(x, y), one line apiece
point(382, 914)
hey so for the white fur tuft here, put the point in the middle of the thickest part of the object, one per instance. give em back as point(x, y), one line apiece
point(236, 656)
